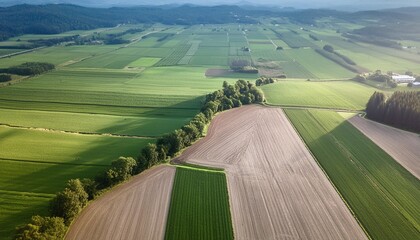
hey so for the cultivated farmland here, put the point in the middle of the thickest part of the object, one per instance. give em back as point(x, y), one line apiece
point(135, 210)
point(333, 94)
point(403, 146)
point(382, 194)
point(199, 206)
point(276, 188)
point(106, 101)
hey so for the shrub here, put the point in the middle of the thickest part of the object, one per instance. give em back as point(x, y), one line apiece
point(42, 228)
point(5, 77)
point(68, 203)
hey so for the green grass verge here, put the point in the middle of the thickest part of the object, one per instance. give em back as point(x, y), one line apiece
point(383, 195)
point(199, 206)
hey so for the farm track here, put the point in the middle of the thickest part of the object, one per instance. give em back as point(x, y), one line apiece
point(77, 133)
point(401, 145)
point(276, 188)
point(136, 209)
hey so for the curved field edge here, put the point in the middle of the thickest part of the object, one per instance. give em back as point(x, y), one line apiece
point(272, 180)
point(199, 206)
point(143, 202)
point(381, 193)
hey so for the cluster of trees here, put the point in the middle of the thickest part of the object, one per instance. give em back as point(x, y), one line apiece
point(29, 68)
point(52, 41)
point(5, 77)
point(67, 204)
point(378, 76)
point(330, 49)
point(315, 38)
point(264, 80)
point(339, 59)
point(365, 35)
point(166, 36)
point(51, 228)
point(401, 110)
point(242, 66)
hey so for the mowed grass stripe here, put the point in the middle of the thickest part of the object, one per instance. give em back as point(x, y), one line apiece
point(199, 206)
point(383, 195)
point(16, 207)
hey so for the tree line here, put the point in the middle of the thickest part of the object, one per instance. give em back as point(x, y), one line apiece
point(28, 68)
point(67, 204)
point(401, 110)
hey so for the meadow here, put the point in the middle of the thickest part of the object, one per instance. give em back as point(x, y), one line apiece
point(199, 206)
point(382, 194)
point(332, 94)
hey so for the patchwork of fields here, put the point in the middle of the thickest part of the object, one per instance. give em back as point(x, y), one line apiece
point(383, 195)
point(106, 101)
point(276, 189)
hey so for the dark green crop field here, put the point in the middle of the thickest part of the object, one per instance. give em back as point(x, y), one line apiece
point(199, 206)
point(382, 194)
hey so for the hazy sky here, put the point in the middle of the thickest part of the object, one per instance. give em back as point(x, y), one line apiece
point(361, 4)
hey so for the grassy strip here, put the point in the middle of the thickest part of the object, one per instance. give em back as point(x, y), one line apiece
point(383, 195)
point(199, 206)
point(199, 167)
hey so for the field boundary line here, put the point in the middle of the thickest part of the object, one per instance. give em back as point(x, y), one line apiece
point(299, 107)
point(328, 178)
point(76, 133)
point(53, 163)
point(91, 104)
point(35, 194)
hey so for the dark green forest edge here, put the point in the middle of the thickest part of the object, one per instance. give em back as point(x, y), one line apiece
point(401, 110)
point(395, 24)
point(67, 204)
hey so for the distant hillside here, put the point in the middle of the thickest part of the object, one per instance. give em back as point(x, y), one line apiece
point(57, 18)
point(393, 24)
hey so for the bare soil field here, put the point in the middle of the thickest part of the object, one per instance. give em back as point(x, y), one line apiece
point(276, 189)
point(403, 146)
point(137, 209)
point(212, 72)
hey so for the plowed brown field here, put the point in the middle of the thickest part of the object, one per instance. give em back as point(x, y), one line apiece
point(276, 188)
point(403, 146)
point(135, 210)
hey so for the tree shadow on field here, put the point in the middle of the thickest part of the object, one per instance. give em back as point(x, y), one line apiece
point(158, 121)
point(49, 177)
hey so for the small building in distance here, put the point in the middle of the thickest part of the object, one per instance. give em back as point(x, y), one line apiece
point(403, 78)
point(416, 84)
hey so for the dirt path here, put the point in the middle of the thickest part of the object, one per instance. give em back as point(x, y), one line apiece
point(137, 209)
point(276, 189)
point(403, 146)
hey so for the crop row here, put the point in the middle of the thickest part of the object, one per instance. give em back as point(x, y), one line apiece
point(382, 194)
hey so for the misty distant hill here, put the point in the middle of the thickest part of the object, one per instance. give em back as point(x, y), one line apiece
point(57, 18)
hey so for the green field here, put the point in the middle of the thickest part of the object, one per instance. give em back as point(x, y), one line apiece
point(199, 206)
point(144, 62)
point(383, 195)
point(333, 94)
point(124, 96)
point(18, 207)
